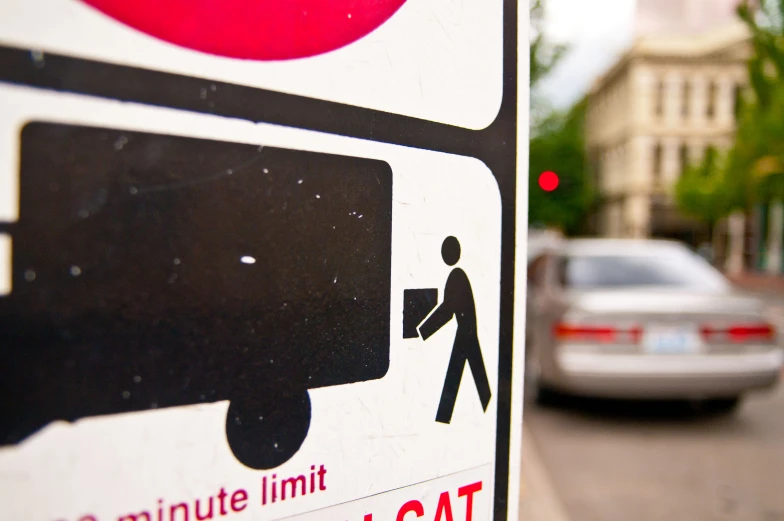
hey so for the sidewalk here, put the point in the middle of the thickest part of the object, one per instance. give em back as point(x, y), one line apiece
point(538, 499)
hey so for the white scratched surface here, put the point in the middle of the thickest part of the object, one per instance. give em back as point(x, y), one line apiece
point(433, 59)
point(372, 437)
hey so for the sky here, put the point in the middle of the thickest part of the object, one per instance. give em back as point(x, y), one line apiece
point(597, 32)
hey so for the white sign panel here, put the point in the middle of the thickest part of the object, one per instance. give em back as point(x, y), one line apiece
point(364, 438)
point(237, 280)
point(428, 59)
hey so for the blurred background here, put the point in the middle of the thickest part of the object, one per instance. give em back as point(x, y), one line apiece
point(656, 268)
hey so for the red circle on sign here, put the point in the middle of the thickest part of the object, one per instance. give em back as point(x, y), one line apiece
point(253, 29)
point(548, 181)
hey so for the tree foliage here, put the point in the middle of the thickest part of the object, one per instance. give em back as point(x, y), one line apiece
point(702, 191)
point(753, 170)
point(559, 146)
point(544, 56)
point(557, 142)
point(759, 143)
point(756, 169)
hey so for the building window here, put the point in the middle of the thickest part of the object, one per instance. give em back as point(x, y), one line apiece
point(686, 101)
point(710, 110)
point(737, 101)
point(683, 156)
point(659, 101)
point(657, 163)
point(595, 167)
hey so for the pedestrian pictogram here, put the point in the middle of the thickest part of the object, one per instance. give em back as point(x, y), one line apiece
point(458, 304)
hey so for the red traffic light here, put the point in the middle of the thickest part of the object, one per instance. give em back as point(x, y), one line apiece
point(548, 181)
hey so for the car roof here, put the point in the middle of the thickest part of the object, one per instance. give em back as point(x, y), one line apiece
point(620, 247)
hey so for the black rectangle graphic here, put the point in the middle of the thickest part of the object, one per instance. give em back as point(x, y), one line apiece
point(152, 271)
point(417, 305)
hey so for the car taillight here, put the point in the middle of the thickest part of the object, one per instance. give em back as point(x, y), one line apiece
point(597, 333)
point(739, 333)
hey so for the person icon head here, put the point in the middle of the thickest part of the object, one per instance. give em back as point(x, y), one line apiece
point(450, 250)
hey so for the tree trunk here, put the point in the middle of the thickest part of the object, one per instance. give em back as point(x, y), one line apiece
point(715, 240)
point(775, 231)
point(736, 230)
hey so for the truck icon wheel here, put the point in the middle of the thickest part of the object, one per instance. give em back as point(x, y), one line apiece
point(267, 431)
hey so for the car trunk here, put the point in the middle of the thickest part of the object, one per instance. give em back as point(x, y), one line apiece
point(664, 321)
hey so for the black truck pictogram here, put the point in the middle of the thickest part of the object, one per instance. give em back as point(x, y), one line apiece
point(153, 271)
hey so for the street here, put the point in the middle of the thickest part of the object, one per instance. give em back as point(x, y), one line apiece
point(624, 460)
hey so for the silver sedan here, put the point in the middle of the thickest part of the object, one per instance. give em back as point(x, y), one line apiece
point(643, 319)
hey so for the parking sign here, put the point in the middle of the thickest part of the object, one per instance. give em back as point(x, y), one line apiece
point(234, 285)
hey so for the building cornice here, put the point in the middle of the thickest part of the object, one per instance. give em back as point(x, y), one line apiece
point(726, 44)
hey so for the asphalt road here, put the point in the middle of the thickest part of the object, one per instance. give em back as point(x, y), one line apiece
point(612, 460)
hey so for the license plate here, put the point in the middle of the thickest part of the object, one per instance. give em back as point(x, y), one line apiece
point(675, 339)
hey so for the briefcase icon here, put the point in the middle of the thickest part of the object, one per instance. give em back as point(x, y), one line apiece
point(417, 305)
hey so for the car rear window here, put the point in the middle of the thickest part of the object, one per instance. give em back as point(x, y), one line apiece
point(668, 269)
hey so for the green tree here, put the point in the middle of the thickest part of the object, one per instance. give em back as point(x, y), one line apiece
point(557, 143)
point(559, 146)
point(753, 170)
point(756, 167)
point(703, 192)
point(544, 56)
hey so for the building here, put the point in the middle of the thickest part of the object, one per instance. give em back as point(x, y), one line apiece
point(662, 105)
point(682, 16)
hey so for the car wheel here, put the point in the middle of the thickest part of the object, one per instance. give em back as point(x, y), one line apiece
point(535, 390)
point(723, 405)
point(545, 396)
